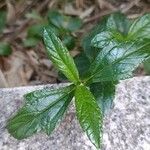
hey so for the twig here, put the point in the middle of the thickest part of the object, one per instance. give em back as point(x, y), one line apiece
point(98, 16)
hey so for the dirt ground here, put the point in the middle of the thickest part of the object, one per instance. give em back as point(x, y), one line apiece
point(28, 66)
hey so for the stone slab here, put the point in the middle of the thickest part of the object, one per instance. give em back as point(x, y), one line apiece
point(126, 127)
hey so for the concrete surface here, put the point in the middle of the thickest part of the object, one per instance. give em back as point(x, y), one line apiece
point(127, 127)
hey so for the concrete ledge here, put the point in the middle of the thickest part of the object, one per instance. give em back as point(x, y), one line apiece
point(127, 127)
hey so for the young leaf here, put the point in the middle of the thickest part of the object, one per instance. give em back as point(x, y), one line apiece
point(64, 23)
point(60, 56)
point(140, 28)
point(90, 51)
point(89, 114)
point(36, 31)
point(118, 21)
point(118, 58)
point(104, 93)
point(30, 42)
point(115, 21)
point(68, 41)
point(5, 49)
point(42, 111)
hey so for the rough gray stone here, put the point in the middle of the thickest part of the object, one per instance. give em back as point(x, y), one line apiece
point(126, 127)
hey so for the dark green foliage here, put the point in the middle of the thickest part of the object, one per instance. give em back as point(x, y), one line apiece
point(112, 51)
point(30, 42)
point(60, 56)
point(64, 23)
point(104, 93)
point(2, 20)
point(5, 49)
point(63, 26)
point(41, 112)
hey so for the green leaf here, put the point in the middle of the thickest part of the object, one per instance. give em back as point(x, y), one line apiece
point(118, 21)
point(42, 111)
point(64, 23)
point(55, 18)
point(36, 31)
point(2, 20)
point(89, 114)
point(90, 51)
point(82, 63)
point(30, 42)
point(115, 21)
point(68, 41)
point(104, 93)
point(5, 49)
point(118, 58)
point(74, 23)
point(140, 28)
point(60, 56)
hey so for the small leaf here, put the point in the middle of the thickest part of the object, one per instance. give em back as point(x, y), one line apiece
point(140, 28)
point(104, 93)
point(55, 18)
point(115, 21)
point(89, 114)
point(36, 31)
point(74, 23)
point(64, 23)
point(5, 49)
point(118, 21)
point(42, 111)
point(60, 56)
point(68, 41)
point(30, 42)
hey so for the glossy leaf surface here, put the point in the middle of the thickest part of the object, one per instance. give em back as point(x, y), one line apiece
point(119, 56)
point(89, 114)
point(60, 56)
point(104, 93)
point(140, 28)
point(115, 21)
point(43, 109)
